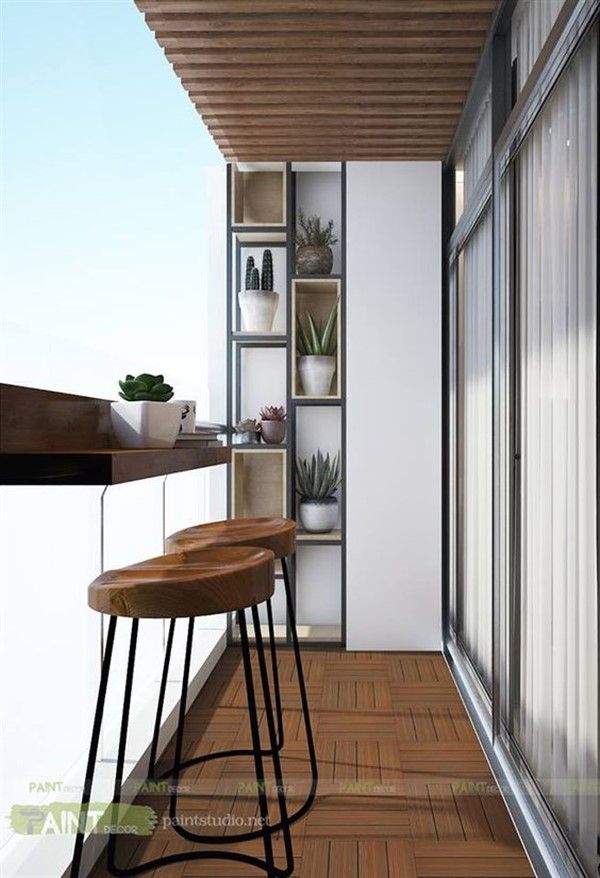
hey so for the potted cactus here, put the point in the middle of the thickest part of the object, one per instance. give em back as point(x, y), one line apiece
point(258, 302)
point(246, 432)
point(316, 343)
point(272, 424)
point(146, 418)
point(313, 245)
point(316, 484)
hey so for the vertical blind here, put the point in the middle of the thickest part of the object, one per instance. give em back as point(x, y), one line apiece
point(556, 720)
point(531, 23)
point(478, 148)
point(475, 624)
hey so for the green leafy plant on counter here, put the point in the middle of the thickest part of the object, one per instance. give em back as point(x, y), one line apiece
point(318, 479)
point(145, 387)
point(317, 338)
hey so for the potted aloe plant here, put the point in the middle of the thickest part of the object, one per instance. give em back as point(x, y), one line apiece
point(146, 418)
point(258, 301)
point(316, 343)
point(272, 424)
point(313, 245)
point(316, 484)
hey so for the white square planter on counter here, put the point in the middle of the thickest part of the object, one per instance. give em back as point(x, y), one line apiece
point(146, 424)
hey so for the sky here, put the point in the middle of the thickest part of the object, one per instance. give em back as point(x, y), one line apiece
point(103, 211)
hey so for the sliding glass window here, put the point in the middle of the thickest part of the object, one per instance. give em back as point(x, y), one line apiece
point(523, 439)
point(552, 598)
point(474, 459)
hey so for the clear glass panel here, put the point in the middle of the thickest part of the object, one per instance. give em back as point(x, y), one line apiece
point(555, 658)
point(475, 364)
point(531, 23)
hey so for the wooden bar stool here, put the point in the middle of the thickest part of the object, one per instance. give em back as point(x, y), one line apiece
point(176, 586)
point(277, 535)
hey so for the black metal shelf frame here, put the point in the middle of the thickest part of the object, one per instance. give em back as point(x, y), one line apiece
point(238, 340)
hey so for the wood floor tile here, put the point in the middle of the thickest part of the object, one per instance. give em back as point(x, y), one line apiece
point(404, 791)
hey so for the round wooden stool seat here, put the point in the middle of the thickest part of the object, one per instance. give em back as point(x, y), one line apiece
point(174, 586)
point(276, 534)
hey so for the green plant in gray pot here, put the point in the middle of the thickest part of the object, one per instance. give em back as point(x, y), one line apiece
point(246, 432)
point(258, 301)
point(147, 416)
point(317, 481)
point(313, 245)
point(316, 343)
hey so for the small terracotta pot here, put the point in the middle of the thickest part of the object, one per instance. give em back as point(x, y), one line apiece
point(273, 432)
point(314, 260)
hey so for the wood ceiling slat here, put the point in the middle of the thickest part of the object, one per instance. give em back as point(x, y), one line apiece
point(307, 90)
point(324, 80)
point(321, 56)
point(200, 23)
point(290, 7)
point(339, 110)
point(358, 70)
point(300, 43)
point(337, 100)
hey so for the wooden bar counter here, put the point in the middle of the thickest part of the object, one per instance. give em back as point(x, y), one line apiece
point(49, 438)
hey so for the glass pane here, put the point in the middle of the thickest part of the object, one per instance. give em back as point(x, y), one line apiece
point(475, 448)
point(556, 656)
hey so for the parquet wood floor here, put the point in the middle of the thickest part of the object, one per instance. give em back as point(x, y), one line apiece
point(405, 790)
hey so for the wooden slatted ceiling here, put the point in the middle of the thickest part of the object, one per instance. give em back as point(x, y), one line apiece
point(326, 80)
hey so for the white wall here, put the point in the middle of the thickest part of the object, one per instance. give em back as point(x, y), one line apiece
point(394, 405)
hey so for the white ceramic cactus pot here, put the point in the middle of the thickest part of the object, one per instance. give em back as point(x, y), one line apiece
point(146, 424)
point(316, 374)
point(319, 516)
point(258, 309)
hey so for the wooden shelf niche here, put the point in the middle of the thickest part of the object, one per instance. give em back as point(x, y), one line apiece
point(259, 482)
point(259, 195)
point(317, 296)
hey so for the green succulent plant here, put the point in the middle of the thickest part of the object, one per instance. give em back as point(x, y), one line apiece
point(248, 425)
point(256, 280)
point(317, 338)
point(249, 270)
point(145, 387)
point(310, 232)
point(273, 413)
point(266, 280)
point(318, 479)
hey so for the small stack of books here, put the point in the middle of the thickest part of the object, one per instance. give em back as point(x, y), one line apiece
point(205, 435)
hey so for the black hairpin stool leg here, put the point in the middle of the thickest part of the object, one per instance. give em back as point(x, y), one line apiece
point(93, 751)
point(220, 754)
point(161, 701)
point(112, 867)
point(312, 755)
point(307, 804)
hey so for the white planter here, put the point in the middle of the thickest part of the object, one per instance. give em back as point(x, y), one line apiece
point(316, 374)
point(146, 424)
point(318, 517)
point(258, 309)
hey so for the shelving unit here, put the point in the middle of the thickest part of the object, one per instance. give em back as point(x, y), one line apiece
point(259, 196)
point(259, 482)
point(262, 203)
point(317, 296)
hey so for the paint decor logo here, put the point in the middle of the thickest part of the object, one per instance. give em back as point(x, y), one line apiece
point(62, 818)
